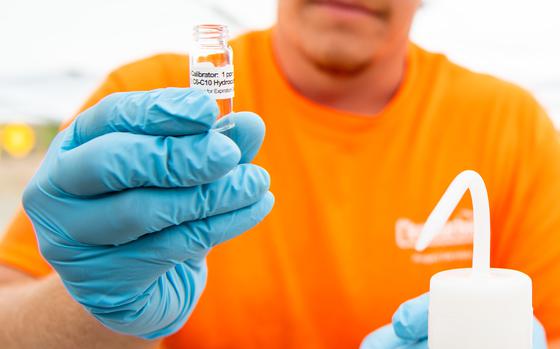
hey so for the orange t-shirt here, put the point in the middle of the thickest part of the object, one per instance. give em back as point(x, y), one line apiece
point(334, 259)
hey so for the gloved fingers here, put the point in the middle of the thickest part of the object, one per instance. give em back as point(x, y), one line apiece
point(127, 215)
point(539, 335)
point(118, 161)
point(193, 240)
point(385, 338)
point(410, 321)
point(161, 112)
point(248, 133)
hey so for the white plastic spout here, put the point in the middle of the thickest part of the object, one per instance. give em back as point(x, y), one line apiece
point(467, 180)
point(478, 307)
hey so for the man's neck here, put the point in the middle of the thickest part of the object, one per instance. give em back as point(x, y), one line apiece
point(366, 92)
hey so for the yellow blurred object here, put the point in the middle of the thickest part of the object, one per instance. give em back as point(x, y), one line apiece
point(17, 139)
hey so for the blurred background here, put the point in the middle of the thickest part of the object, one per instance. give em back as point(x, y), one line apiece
point(54, 52)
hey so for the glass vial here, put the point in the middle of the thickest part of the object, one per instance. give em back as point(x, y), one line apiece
point(211, 67)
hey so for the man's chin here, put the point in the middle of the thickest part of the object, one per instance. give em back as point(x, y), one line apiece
point(341, 57)
point(340, 66)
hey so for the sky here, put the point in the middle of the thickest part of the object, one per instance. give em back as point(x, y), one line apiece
point(54, 52)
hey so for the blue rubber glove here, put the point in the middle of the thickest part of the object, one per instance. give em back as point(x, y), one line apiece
point(409, 329)
point(132, 196)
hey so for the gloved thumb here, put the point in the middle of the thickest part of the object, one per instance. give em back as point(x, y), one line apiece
point(248, 133)
point(410, 321)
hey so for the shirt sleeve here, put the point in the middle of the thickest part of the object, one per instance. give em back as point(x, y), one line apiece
point(528, 223)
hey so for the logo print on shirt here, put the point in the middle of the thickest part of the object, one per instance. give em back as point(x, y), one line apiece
point(457, 232)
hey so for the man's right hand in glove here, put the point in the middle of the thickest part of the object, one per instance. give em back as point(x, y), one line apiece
point(132, 196)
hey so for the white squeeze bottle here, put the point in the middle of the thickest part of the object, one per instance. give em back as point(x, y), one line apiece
point(478, 307)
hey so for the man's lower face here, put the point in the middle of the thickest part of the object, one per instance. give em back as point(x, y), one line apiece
point(341, 37)
point(346, 35)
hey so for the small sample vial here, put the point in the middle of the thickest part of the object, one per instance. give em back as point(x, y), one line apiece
point(211, 67)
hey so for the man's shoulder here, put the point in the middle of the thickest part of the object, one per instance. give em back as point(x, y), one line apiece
point(156, 71)
point(482, 103)
point(466, 86)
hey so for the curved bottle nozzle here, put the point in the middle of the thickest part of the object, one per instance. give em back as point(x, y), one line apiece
point(467, 180)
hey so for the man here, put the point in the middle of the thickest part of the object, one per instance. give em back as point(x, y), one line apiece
point(364, 132)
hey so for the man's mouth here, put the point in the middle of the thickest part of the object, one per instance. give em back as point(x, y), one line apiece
point(349, 6)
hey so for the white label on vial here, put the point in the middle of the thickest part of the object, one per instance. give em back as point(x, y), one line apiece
point(217, 81)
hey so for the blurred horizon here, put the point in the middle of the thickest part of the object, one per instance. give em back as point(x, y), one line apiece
point(59, 52)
